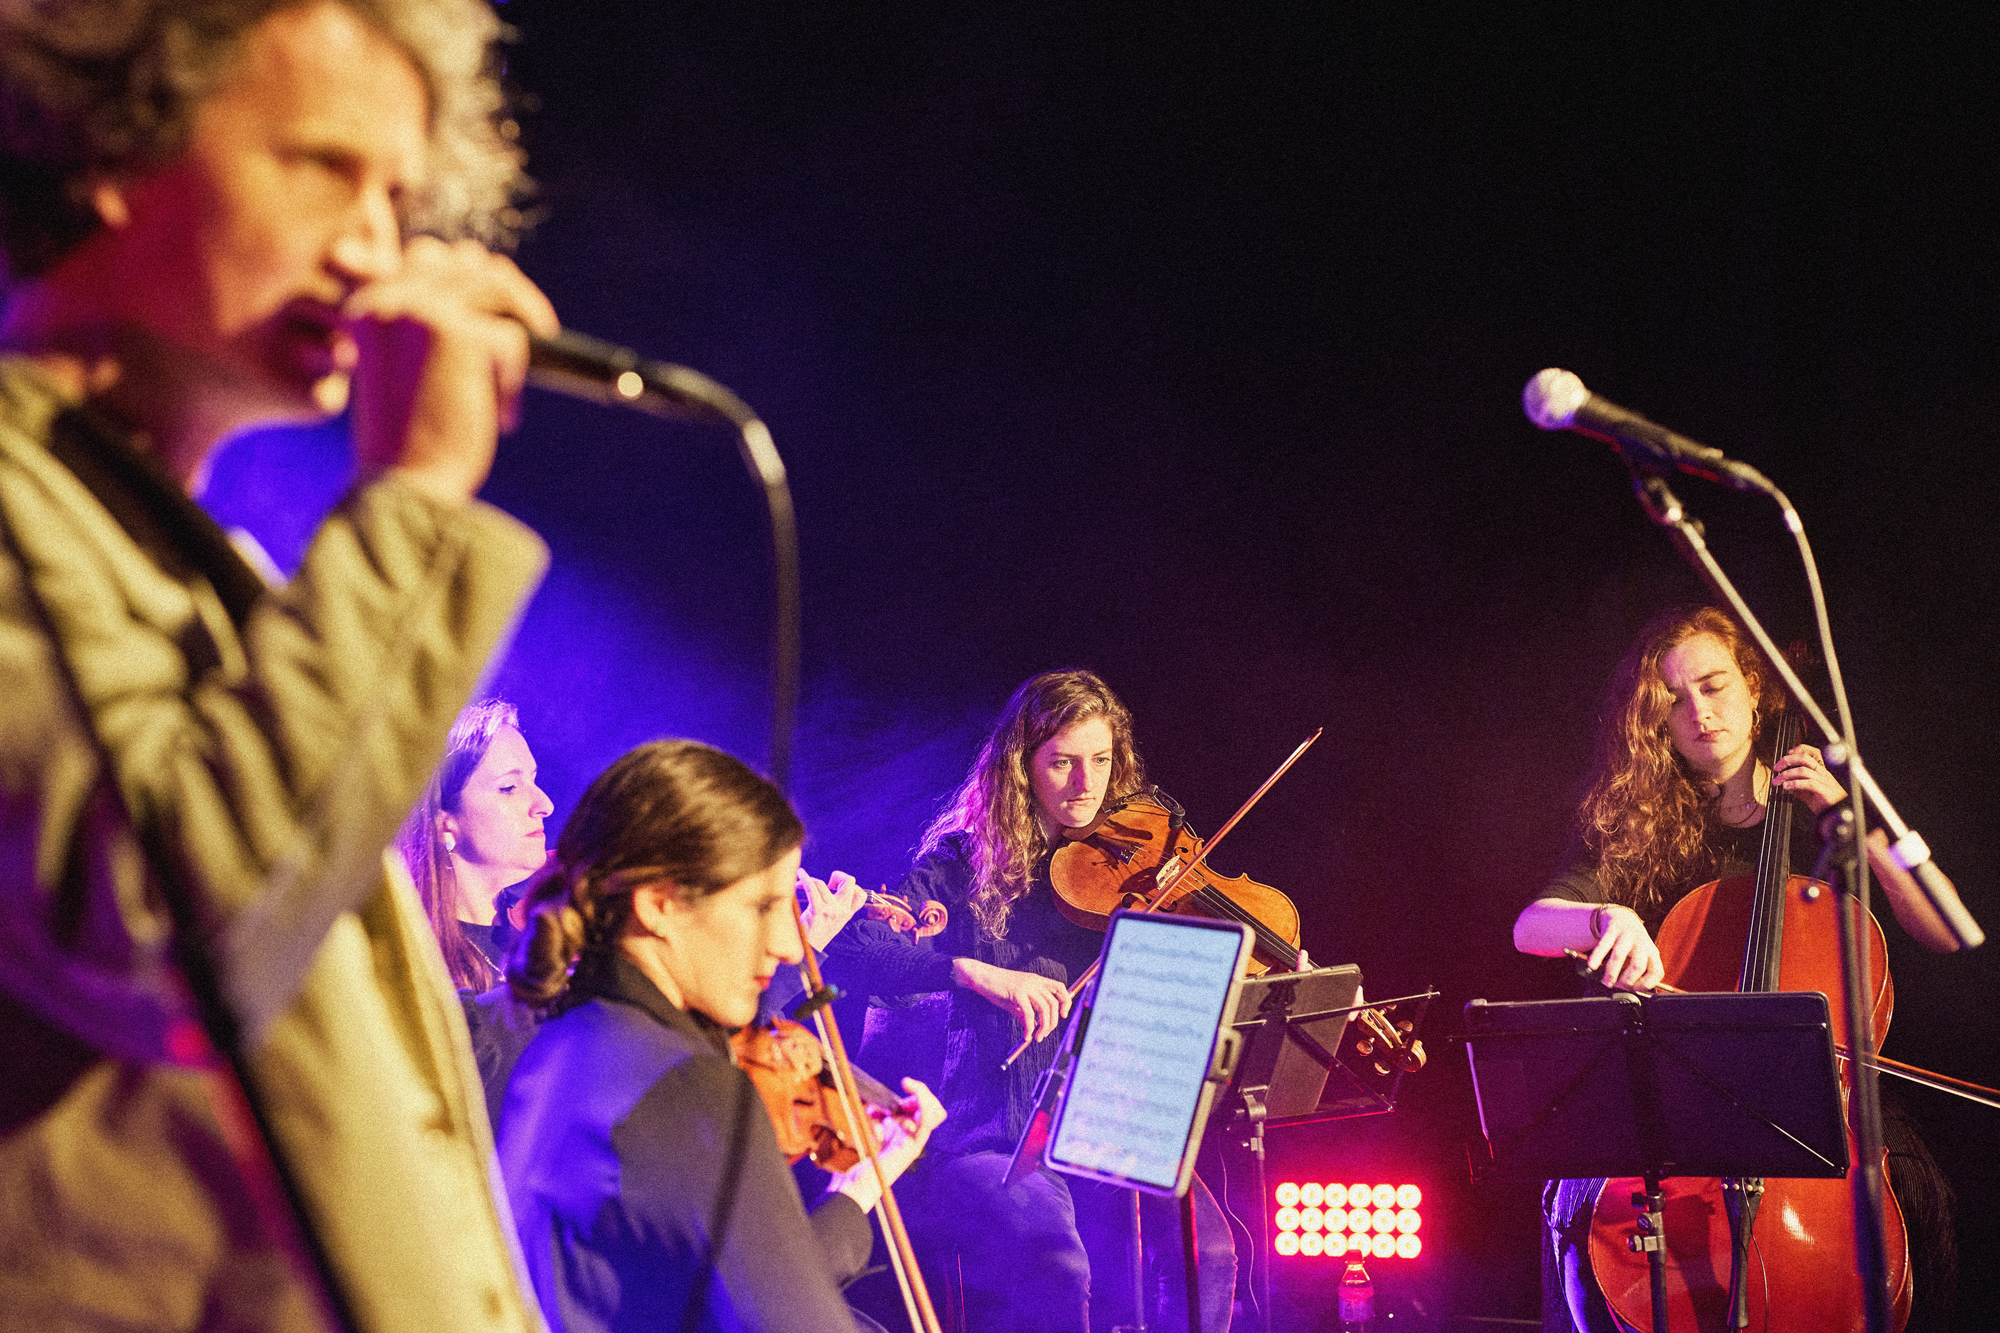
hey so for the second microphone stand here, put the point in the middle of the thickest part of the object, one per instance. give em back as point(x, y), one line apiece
point(1666, 509)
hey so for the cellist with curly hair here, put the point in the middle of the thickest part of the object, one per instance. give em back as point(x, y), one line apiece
point(1678, 799)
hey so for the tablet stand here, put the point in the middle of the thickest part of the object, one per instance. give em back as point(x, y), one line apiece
point(1301, 1064)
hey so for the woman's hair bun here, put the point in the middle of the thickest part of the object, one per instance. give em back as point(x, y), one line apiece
point(539, 971)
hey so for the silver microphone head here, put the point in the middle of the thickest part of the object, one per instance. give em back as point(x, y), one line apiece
point(1553, 398)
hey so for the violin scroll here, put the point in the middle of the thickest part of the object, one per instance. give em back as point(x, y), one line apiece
point(921, 921)
point(1391, 1046)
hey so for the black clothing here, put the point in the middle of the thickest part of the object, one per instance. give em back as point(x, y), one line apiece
point(988, 1106)
point(501, 1028)
point(1012, 1256)
point(1733, 851)
point(487, 939)
point(646, 1180)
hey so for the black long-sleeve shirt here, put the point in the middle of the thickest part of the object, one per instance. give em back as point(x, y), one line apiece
point(1732, 851)
point(987, 1105)
point(645, 1178)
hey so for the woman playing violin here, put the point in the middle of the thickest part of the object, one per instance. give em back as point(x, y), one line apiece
point(1027, 1257)
point(643, 1171)
point(1678, 799)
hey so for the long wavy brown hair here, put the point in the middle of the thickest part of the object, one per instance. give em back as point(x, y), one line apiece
point(995, 806)
point(1646, 815)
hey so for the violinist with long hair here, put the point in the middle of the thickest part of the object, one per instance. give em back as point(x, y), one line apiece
point(474, 835)
point(1677, 799)
point(643, 1170)
point(1030, 1256)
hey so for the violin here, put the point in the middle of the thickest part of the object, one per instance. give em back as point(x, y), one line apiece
point(1769, 932)
point(1388, 1045)
point(1136, 846)
point(922, 921)
point(823, 1111)
point(789, 1068)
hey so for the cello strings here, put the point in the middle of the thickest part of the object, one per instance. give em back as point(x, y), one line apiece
point(1767, 918)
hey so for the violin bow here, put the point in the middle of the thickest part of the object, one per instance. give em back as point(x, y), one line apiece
point(902, 1258)
point(1957, 1087)
point(1164, 891)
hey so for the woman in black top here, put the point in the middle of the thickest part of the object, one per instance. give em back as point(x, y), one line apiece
point(643, 1172)
point(1034, 1257)
point(476, 834)
point(1678, 799)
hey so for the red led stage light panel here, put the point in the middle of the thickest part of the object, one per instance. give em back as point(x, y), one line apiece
point(1354, 1219)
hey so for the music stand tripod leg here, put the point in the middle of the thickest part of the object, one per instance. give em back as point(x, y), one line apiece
point(1250, 1123)
point(1138, 1324)
point(1189, 1261)
point(1651, 1240)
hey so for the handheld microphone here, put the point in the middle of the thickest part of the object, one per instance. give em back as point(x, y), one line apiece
point(1557, 400)
point(590, 368)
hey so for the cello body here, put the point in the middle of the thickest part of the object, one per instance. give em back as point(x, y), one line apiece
point(1803, 1265)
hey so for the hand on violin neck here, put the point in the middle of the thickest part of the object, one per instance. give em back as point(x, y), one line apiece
point(903, 1136)
point(1038, 1003)
point(829, 905)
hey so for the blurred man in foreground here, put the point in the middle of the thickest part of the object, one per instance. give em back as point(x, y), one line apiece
point(216, 214)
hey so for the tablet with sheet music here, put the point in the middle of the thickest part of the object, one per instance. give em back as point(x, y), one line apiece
point(1154, 1049)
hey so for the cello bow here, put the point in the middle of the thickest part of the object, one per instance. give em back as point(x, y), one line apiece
point(1957, 1087)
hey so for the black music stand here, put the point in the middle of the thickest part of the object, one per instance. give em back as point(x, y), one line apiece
point(1302, 1062)
point(1740, 1086)
point(1291, 1025)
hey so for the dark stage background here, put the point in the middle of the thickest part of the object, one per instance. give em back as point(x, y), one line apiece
point(1187, 346)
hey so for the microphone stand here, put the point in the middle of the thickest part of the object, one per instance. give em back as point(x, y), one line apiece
point(1665, 509)
point(599, 372)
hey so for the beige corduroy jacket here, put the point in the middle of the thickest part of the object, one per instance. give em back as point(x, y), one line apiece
point(275, 756)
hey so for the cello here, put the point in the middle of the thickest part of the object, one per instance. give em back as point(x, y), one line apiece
point(1771, 931)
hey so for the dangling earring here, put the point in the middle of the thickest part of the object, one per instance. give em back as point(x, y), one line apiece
point(450, 843)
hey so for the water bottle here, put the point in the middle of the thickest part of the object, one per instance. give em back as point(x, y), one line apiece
point(1357, 1299)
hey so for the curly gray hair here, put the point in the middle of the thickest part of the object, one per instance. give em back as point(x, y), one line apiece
point(90, 88)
